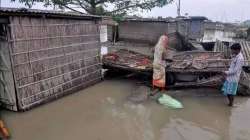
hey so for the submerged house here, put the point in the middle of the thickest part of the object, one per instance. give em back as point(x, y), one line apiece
point(46, 55)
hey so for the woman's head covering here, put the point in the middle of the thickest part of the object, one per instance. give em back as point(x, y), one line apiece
point(163, 41)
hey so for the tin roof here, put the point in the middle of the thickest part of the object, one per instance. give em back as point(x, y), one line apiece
point(44, 13)
point(160, 19)
point(198, 18)
point(149, 19)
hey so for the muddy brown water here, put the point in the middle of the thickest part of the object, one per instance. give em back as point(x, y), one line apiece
point(102, 112)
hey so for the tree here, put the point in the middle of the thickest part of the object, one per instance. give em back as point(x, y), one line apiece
point(101, 7)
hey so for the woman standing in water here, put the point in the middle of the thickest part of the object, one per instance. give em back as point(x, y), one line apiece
point(159, 64)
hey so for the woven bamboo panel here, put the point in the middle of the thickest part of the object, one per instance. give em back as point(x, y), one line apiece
point(53, 57)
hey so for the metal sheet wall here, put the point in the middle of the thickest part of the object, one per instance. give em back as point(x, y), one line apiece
point(145, 31)
point(151, 31)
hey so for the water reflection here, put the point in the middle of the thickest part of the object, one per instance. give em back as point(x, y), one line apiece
point(179, 129)
point(133, 119)
point(103, 112)
point(210, 122)
point(239, 121)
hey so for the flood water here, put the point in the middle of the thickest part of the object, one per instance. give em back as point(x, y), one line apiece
point(102, 112)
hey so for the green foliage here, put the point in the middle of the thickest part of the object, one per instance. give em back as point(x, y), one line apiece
point(102, 7)
point(118, 18)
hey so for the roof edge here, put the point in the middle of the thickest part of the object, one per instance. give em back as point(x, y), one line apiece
point(44, 13)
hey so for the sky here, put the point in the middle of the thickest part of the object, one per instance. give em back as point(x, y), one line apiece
point(216, 10)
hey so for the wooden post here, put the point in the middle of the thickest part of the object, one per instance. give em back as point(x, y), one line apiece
point(4, 131)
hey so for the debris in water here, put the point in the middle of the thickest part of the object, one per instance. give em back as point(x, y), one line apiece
point(168, 101)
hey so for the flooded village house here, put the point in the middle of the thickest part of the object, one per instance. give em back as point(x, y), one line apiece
point(198, 29)
point(200, 32)
point(46, 55)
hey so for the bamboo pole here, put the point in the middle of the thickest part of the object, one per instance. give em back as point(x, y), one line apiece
point(62, 84)
point(98, 64)
point(87, 82)
point(59, 47)
point(49, 25)
point(224, 60)
point(57, 56)
point(45, 38)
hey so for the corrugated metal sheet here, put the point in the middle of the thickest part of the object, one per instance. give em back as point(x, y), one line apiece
point(36, 12)
point(168, 19)
point(144, 31)
point(196, 30)
point(149, 30)
point(150, 19)
point(209, 25)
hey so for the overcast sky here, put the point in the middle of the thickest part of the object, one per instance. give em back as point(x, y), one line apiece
point(218, 10)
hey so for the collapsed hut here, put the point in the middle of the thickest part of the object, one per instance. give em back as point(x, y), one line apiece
point(46, 55)
point(200, 68)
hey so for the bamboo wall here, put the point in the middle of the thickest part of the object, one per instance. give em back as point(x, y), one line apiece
point(53, 57)
point(7, 86)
